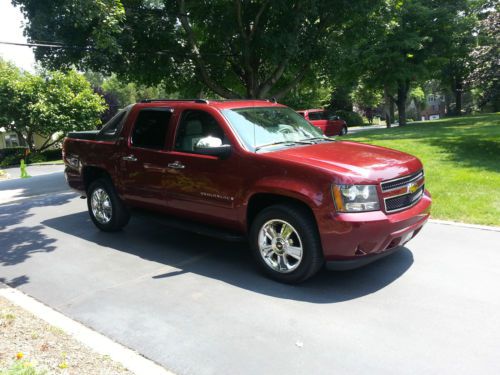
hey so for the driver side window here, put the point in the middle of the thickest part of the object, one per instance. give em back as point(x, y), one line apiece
point(195, 125)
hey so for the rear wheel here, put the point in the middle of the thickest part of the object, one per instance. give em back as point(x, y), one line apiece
point(344, 130)
point(285, 243)
point(106, 209)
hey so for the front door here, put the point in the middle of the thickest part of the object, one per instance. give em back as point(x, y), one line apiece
point(202, 187)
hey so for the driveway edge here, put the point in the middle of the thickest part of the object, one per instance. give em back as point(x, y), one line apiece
point(465, 225)
point(99, 343)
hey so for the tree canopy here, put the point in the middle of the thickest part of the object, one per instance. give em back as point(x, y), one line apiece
point(47, 104)
point(254, 49)
point(304, 52)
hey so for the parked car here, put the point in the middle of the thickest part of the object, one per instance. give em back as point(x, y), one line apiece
point(331, 125)
point(252, 170)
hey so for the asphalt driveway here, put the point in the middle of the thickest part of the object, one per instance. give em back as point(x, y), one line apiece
point(197, 305)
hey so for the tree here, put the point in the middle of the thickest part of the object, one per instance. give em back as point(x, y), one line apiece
point(254, 49)
point(485, 61)
point(49, 104)
point(417, 95)
point(404, 44)
point(366, 97)
point(457, 64)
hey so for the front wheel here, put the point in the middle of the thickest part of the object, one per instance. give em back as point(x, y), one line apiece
point(285, 243)
point(344, 130)
point(106, 209)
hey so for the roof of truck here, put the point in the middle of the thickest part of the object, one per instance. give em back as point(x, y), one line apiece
point(219, 104)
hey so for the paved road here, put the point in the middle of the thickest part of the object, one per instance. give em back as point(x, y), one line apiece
point(197, 306)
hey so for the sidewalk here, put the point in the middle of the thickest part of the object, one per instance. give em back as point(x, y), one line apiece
point(357, 129)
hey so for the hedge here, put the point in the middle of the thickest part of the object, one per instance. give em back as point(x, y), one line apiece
point(13, 156)
point(351, 118)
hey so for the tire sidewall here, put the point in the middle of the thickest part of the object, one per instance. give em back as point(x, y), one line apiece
point(106, 185)
point(308, 235)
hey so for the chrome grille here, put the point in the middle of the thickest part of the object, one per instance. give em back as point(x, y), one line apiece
point(398, 183)
point(401, 202)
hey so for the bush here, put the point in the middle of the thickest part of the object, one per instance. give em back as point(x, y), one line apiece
point(53, 154)
point(350, 117)
point(13, 156)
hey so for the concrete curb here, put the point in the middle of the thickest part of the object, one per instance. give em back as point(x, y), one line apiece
point(97, 342)
point(465, 225)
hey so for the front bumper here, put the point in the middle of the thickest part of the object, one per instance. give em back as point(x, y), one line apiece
point(345, 265)
point(360, 238)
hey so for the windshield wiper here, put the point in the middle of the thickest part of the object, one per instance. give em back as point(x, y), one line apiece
point(326, 139)
point(287, 143)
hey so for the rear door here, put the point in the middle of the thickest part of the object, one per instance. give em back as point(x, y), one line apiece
point(144, 161)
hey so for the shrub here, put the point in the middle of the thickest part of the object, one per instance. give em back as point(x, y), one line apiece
point(350, 117)
point(13, 156)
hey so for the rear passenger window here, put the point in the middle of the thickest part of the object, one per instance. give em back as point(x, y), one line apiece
point(316, 116)
point(194, 126)
point(111, 129)
point(150, 128)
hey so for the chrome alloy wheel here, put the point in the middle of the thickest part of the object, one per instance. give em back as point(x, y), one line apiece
point(280, 246)
point(101, 206)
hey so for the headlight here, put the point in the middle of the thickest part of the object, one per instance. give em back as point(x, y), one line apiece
point(355, 198)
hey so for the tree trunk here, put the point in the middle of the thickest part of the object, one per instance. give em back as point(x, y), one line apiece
point(391, 109)
point(458, 97)
point(387, 107)
point(30, 141)
point(447, 99)
point(418, 109)
point(403, 88)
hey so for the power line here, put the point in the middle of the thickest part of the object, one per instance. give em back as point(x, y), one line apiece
point(159, 52)
point(36, 45)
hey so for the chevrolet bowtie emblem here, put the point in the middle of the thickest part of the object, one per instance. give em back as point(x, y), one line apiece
point(412, 187)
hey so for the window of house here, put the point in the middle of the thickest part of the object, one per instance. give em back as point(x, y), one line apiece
point(150, 128)
point(12, 140)
point(194, 126)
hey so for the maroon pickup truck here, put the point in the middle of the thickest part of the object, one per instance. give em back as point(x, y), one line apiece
point(250, 169)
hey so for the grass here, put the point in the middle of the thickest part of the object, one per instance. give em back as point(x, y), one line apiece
point(461, 158)
point(22, 368)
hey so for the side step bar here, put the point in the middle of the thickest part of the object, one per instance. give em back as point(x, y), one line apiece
point(189, 226)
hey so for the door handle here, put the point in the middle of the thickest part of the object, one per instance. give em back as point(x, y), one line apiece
point(176, 165)
point(129, 158)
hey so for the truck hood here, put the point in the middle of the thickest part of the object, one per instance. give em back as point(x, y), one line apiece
point(352, 162)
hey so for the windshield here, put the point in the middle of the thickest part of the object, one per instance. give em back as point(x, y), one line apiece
point(270, 126)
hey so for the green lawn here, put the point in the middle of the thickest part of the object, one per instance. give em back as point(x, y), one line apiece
point(461, 158)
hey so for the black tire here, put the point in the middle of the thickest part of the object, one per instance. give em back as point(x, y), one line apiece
point(305, 226)
point(119, 212)
point(344, 130)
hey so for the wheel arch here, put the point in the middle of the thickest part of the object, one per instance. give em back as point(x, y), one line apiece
point(259, 201)
point(92, 173)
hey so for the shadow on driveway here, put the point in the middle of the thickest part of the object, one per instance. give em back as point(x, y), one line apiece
point(229, 262)
point(18, 243)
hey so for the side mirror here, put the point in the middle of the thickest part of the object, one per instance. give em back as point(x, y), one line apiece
point(212, 146)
